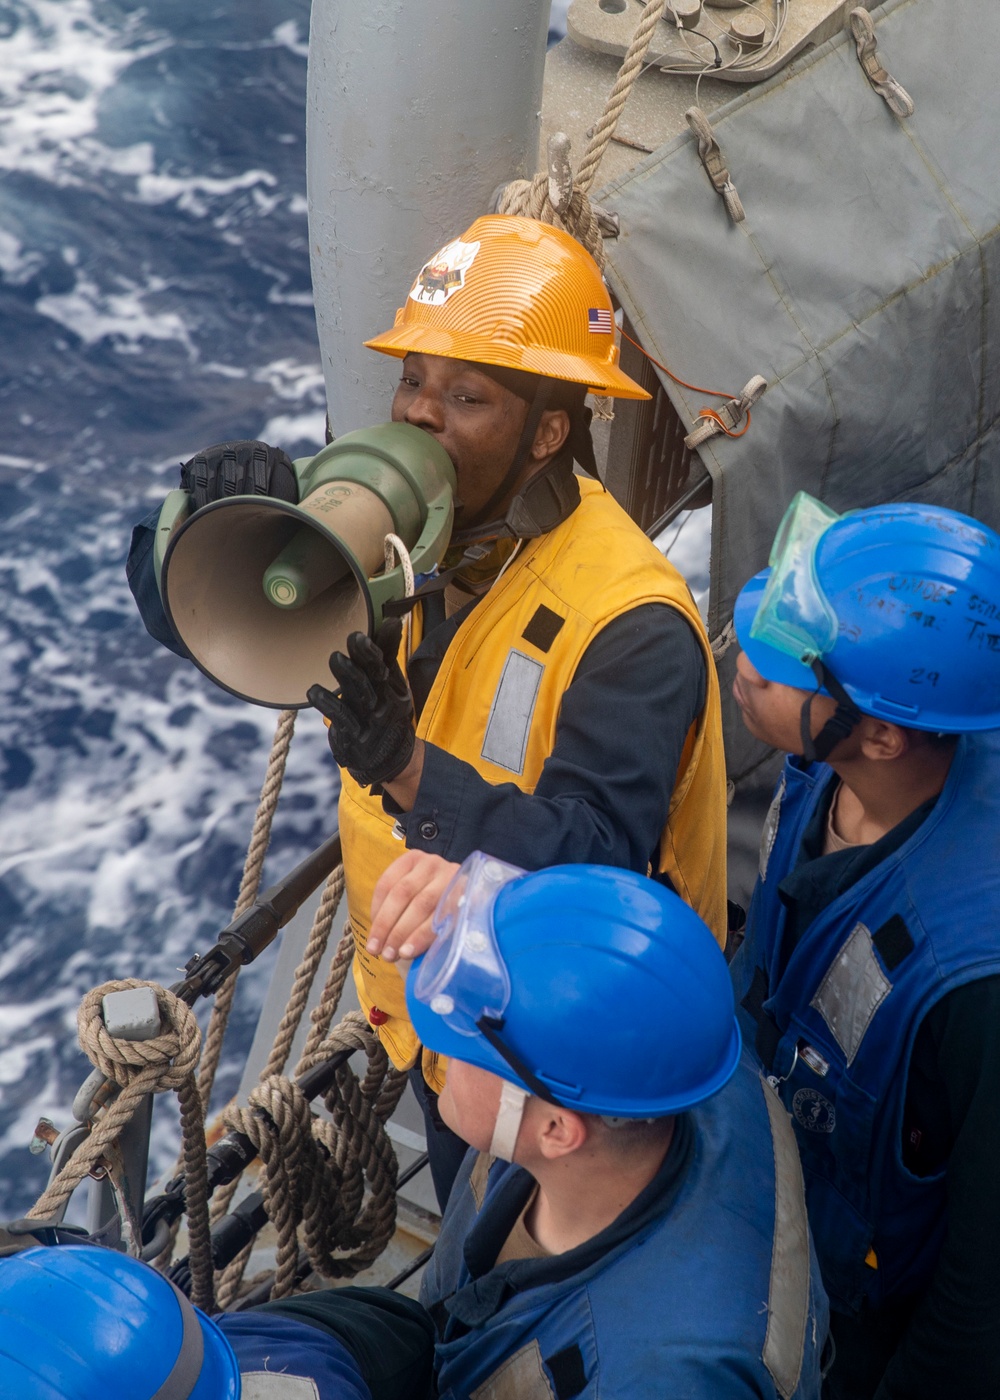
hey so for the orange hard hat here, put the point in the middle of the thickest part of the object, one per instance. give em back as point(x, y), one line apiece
point(517, 293)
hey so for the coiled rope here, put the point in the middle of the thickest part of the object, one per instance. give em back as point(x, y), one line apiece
point(315, 1172)
point(332, 1179)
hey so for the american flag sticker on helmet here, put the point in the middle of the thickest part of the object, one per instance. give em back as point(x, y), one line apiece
point(599, 321)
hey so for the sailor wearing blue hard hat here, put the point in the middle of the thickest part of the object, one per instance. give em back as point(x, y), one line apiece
point(631, 1223)
point(869, 979)
point(78, 1322)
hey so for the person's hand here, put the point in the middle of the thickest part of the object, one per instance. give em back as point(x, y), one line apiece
point(404, 902)
point(371, 730)
point(239, 469)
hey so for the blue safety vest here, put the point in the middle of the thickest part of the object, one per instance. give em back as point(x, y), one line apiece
point(835, 1018)
point(281, 1358)
point(715, 1298)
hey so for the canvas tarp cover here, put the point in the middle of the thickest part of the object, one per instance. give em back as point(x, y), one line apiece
point(864, 285)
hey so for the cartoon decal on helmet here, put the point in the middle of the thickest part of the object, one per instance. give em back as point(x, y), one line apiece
point(444, 275)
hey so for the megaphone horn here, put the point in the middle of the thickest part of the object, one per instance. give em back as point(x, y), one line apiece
point(260, 591)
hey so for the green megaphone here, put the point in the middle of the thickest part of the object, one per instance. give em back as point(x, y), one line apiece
point(260, 591)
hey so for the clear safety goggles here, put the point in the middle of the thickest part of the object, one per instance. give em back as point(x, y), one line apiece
point(462, 977)
point(794, 615)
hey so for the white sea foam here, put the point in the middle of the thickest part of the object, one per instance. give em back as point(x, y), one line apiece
point(195, 193)
point(57, 64)
point(296, 428)
point(124, 315)
point(54, 68)
point(17, 265)
point(287, 36)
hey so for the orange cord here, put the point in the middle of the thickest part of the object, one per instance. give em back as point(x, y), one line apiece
point(716, 393)
point(711, 413)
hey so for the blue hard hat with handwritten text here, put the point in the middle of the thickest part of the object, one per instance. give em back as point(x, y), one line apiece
point(900, 602)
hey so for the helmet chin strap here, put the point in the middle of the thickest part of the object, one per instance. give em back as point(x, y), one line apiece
point(840, 724)
point(508, 1123)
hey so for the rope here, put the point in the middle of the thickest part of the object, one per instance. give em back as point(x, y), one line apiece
point(253, 866)
point(336, 1179)
point(395, 546)
point(554, 197)
point(619, 95)
point(305, 974)
point(324, 1011)
point(249, 885)
point(140, 1067)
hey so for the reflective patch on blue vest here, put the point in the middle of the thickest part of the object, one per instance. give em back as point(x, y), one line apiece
point(273, 1385)
point(788, 1290)
point(521, 1377)
point(506, 740)
point(852, 991)
point(769, 834)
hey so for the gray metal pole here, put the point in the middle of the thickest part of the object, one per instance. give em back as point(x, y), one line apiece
point(416, 112)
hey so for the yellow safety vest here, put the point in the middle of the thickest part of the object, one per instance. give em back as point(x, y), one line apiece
point(495, 704)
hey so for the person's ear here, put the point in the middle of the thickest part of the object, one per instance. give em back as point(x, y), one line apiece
point(881, 741)
point(551, 434)
point(560, 1131)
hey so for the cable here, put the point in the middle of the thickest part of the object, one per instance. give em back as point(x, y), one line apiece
point(695, 388)
point(741, 60)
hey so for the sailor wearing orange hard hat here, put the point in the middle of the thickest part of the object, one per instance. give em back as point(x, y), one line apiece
point(559, 701)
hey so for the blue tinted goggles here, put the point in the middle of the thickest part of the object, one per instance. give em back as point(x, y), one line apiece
point(462, 977)
point(794, 615)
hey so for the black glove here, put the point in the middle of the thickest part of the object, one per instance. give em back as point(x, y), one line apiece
point(371, 717)
point(239, 469)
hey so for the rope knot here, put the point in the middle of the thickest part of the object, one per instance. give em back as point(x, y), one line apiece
point(554, 198)
point(165, 1061)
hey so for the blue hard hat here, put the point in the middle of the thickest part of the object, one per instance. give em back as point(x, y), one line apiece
point(613, 997)
point(915, 593)
point(82, 1323)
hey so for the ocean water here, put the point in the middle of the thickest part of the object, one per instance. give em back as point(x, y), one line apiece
point(154, 298)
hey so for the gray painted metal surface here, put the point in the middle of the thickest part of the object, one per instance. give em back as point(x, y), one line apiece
point(415, 114)
point(858, 285)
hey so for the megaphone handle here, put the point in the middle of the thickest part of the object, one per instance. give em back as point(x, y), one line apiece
point(394, 547)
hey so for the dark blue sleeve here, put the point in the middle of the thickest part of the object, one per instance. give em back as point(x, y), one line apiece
point(285, 1346)
point(952, 1343)
point(141, 575)
point(605, 789)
